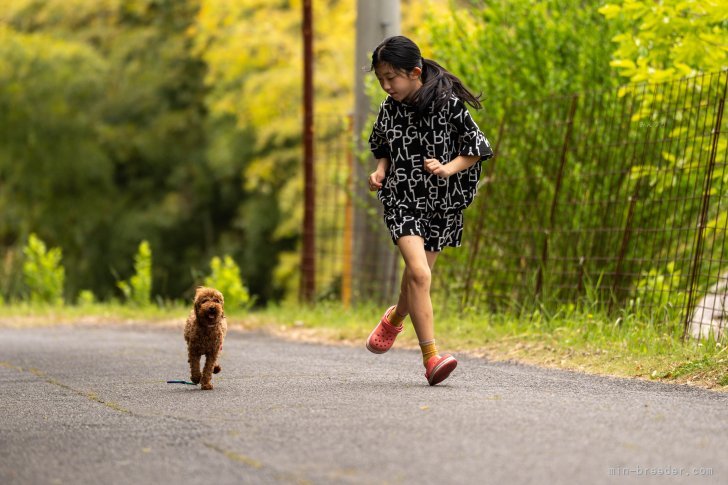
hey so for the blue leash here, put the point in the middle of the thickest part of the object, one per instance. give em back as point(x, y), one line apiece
point(180, 381)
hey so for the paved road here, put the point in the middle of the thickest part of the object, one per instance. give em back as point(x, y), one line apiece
point(90, 405)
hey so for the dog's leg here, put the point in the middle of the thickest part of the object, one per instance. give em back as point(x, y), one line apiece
point(194, 360)
point(218, 367)
point(207, 371)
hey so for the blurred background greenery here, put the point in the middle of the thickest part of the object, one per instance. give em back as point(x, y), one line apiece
point(178, 122)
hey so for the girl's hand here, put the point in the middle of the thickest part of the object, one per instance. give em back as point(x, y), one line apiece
point(434, 166)
point(376, 179)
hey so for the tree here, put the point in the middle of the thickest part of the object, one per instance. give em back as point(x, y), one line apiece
point(55, 177)
point(134, 163)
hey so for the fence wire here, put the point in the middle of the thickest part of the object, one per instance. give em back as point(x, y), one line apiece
point(611, 196)
point(340, 272)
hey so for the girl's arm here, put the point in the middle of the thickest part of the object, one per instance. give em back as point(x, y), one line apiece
point(471, 143)
point(377, 177)
point(457, 164)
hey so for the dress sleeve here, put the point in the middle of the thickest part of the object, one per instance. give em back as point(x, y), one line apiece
point(471, 141)
point(378, 142)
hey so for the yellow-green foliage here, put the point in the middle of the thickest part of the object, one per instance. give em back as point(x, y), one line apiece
point(225, 277)
point(138, 290)
point(43, 272)
point(86, 298)
point(252, 49)
point(670, 38)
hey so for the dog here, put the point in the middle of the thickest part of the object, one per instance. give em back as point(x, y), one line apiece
point(205, 331)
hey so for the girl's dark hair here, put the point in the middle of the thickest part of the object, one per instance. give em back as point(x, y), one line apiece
point(438, 85)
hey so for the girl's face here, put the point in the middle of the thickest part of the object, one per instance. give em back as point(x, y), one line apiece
point(397, 83)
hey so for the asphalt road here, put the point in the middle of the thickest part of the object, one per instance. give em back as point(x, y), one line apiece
point(87, 405)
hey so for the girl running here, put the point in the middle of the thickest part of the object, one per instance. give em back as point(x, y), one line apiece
point(429, 153)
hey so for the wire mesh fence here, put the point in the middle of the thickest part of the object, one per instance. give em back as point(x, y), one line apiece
point(341, 273)
point(616, 196)
point(332, 176)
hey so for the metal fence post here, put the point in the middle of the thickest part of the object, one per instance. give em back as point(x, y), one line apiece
point(308, 255)
point(557, 189)
point(626, 234)
point(475, 249)
point(703, 212)
point(348, 239)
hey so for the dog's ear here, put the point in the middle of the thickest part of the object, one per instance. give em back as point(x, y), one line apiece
point(197, 297)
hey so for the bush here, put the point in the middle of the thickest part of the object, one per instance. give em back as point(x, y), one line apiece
point(42, 272)
point(138, 290)
point(86, 298)
point(225, 277)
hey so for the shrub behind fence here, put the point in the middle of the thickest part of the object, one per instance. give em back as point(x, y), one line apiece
point(619, 193)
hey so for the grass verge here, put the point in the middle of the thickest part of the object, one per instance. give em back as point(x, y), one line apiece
point(626, 346)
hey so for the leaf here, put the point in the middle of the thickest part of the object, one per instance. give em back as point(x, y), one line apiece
point(610, 11)
point(623, 63)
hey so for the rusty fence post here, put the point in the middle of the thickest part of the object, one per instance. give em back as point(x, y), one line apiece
point(557, 189)
point(308, 255)
point(695, 268)
point(348, 239)
point(626, 235)
point(475, 248)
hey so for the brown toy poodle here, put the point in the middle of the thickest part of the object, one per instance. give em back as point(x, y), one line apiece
point(205, 332)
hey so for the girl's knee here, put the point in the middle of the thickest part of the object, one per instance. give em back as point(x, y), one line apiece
point(419, 276)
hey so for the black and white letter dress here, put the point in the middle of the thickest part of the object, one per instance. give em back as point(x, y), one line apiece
point(415, 201)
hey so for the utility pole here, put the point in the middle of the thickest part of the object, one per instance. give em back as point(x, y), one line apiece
point(308, 255)
point(375, 20)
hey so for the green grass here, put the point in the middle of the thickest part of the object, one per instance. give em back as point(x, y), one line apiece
point(588, 340)
point(627, 345)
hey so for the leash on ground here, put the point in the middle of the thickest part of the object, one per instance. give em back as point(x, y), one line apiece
point(181, 381)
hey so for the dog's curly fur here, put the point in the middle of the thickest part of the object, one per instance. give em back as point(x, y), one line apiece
point(205, 332)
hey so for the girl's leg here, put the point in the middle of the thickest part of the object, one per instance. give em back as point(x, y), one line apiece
point(416, 281)
point(402, 308)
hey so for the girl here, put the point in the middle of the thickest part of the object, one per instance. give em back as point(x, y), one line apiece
point(429, 153)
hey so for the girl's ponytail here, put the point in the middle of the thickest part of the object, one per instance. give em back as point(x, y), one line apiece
point(438, 86)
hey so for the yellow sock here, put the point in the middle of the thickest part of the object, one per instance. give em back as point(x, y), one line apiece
point(395, 318)
point(428, 350)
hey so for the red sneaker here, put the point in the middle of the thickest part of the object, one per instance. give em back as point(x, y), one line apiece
point(439, 368)
point(382, 337)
